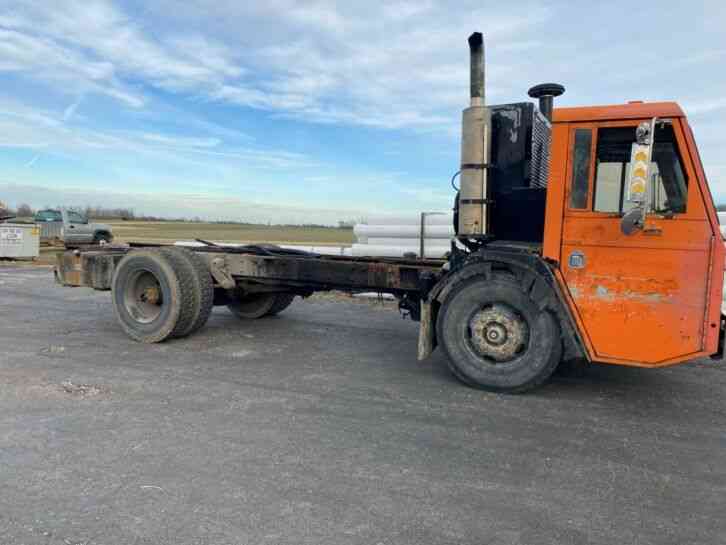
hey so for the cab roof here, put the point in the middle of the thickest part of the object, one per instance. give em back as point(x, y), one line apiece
point(631, 110)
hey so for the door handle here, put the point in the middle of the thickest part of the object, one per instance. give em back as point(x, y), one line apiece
point(653, 231)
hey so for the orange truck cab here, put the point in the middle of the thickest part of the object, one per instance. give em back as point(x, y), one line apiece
point(651, 297)
point(582, 233)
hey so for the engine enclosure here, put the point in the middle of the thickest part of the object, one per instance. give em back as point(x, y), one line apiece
point(520, 157)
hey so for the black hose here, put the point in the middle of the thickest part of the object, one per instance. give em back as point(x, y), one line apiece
point(257, 249)
point(454, 178)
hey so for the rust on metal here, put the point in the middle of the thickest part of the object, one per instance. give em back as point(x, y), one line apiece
point(498, 333)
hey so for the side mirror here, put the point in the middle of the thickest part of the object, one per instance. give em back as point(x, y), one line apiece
point(632, 221)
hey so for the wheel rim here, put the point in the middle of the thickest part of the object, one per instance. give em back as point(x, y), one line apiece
point(498, 333)
point(144, 298)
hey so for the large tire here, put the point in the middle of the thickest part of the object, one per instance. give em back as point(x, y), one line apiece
point(282, 301)
point(198, 289)
point(496, 337)
point(148, 296)
point(203, 287)
point(252, 307)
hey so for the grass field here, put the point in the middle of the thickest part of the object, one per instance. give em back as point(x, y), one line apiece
point(169, 231)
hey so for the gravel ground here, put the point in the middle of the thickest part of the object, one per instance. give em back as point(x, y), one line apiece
point(319, 427)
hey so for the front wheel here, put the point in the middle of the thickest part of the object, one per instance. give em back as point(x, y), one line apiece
point(102, 238)
point(496, 337)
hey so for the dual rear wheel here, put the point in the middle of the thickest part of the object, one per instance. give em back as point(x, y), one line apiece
point(168, 292)
point(161, 293)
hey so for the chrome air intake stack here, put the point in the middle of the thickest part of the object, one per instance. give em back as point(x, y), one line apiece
point(475, 149)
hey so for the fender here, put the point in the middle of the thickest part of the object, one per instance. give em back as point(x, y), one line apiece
point(532, 271)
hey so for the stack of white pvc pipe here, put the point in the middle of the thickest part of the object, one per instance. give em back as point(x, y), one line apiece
point(398, 235)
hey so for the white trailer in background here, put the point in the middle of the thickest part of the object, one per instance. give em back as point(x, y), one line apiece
point(19, 241)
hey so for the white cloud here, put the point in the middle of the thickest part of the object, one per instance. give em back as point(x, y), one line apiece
point(381, 66)
point(23, 127)
point(70, 110)
point(180, 141)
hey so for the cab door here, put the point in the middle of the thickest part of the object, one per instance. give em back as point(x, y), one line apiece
point(641, 299)
point(75, 228)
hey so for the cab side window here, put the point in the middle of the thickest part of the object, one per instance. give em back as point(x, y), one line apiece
point(75, 217)
point(581, 161)
point(667, 188)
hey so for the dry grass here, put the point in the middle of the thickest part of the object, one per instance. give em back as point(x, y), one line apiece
point(145, 231)
point(171, 231)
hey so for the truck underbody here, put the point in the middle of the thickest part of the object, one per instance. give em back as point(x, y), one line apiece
point(255, 281)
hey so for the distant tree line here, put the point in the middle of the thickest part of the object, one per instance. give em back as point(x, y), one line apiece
point(25, 211)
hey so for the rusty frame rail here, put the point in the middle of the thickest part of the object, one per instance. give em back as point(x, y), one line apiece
point(94, 268)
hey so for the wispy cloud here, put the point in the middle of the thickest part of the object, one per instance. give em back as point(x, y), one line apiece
point(327, 70)
point(22, 127)
point(70, 110)
point(33, 160)
point(333, 94)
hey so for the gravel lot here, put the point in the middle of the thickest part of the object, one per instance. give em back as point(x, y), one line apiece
point(319, 427)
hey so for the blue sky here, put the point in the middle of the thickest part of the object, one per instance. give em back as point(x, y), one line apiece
point(290, 111)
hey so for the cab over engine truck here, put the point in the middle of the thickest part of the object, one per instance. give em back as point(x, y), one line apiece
point(583, 233)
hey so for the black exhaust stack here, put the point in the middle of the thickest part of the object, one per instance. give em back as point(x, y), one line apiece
point(476, 69)
point(546, 93)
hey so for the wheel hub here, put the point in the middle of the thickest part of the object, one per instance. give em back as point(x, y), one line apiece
point(498, 333)
point(144, 299)
point(150, 295)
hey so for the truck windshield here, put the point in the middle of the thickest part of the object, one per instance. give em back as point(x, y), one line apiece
point(48, 215)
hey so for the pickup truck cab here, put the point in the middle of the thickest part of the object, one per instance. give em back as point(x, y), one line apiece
point(76, 228)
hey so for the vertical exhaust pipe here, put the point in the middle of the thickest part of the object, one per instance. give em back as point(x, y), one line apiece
point(476, 69)
point(475, 149)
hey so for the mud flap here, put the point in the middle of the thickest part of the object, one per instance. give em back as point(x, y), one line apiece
point(426, 332)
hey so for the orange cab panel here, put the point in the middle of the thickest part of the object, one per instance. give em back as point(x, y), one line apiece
point(638, 302)
point(644, 298)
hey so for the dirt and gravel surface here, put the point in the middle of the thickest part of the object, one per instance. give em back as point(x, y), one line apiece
point(319, 427)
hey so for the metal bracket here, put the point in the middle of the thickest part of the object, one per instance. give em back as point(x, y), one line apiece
point(476, 201)
point(220, 273)
point(476, 166)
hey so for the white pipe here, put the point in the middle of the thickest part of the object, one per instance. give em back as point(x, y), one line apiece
point(432, 218)
point(405, 231)
point(369, 250)
point(401, 241)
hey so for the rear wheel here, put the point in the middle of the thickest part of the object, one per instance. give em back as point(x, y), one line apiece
point(147, 295)
point(198, 289)
point(282, 301)
point(258, 305)
point(496, 337)
point(252, 306)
